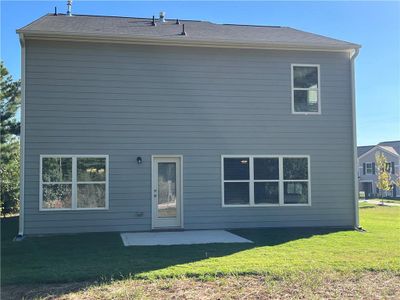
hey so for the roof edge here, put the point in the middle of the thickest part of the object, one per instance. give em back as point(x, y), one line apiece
point(124, 39)
point(381, 148)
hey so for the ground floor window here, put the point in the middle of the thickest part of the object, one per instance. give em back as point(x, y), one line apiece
point(69, 182)
point(254, 180)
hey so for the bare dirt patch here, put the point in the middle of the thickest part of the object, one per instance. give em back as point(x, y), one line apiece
point(367, 285)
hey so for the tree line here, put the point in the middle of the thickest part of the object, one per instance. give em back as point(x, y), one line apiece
point(10, 104)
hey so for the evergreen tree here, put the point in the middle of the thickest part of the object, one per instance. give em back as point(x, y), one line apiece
point(9, 156)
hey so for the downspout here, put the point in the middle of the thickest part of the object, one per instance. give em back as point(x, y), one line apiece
point(22, 143)
point(353, 56)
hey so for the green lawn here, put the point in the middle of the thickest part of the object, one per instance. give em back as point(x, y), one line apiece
point(275, 252)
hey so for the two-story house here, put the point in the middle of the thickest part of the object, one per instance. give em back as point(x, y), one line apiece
point(367, 171)
point(132, 124)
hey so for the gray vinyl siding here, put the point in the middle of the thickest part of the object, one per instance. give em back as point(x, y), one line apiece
point(129, 100)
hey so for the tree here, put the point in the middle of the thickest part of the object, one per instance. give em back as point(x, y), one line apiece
point(383, 182)
point(396, 180)
point(10, 128)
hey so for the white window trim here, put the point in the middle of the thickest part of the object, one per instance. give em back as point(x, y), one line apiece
point(74, 182)
point(370, 167)
point(306, 89)
point(251, 181)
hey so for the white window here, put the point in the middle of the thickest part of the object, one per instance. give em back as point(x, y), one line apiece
point(254, 180)
point(306, 89)
point(70, 182)
point(368, 168)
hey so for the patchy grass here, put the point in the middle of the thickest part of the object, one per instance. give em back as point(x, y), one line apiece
point(366, 285)
point(294, 254)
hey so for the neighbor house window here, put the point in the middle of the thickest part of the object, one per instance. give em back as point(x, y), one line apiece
point(73, 182)
point(306, 89)
point(369, 168)
point(256, 180)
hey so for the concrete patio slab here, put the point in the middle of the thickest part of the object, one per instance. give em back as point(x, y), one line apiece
point(180, 238)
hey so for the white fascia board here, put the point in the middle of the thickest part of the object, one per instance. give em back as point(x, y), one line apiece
point(126, 39)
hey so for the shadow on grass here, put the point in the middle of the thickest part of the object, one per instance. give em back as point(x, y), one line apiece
point(102, 256)
point(368, 206)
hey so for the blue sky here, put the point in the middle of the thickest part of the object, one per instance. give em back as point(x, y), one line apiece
point(374, 25)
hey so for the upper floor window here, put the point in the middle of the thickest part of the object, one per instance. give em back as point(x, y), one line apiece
point(305, 89)
point(73, 182)
point(390, 167)
point(369, 168)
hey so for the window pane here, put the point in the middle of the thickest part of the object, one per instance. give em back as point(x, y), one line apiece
point(91, 169)
point(305, 101)
point(236, 192)
point(91, 195)
point(295, 168)
point(166, 206)
point(57, 169)
point(266, 168)
point(296, 192)
point(266, 193)
point(57, 196)
point(236, 168)
point(305, 77)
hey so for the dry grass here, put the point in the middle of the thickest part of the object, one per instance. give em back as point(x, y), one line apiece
point(366, 285)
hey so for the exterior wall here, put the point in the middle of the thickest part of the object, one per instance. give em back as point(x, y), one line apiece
point(127, 101)
point(370, 158)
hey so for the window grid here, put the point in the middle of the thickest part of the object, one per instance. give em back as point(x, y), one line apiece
point(280, 181)
point(368, 168)
point(318, 90)
point(74, 183)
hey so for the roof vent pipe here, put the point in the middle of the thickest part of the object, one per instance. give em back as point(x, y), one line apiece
point(69, 8)
point(162, 16)
point(183, 30)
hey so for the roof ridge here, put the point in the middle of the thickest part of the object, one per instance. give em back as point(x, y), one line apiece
point(126, 17)
point(395, 141)
point(250, 25)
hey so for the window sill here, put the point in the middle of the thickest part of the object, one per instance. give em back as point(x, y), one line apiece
point(71, 209)
point(265, 205)
point(306, 113)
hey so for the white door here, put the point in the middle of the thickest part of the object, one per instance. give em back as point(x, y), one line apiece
point(167, 192)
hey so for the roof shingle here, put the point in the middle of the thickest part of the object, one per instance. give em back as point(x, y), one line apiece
point(197, 31)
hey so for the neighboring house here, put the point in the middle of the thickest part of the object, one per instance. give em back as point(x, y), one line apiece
point(367, 169)
point(129, 126)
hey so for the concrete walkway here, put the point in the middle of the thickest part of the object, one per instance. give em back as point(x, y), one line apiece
point(180, 238)
point(378, 202)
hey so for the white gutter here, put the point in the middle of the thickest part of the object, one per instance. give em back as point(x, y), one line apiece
point(22, 142)
point(353, 56)
point(178, 41)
